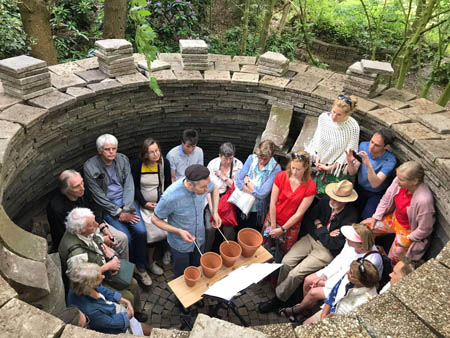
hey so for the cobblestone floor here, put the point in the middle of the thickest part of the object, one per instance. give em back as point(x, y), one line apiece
point(160, 304)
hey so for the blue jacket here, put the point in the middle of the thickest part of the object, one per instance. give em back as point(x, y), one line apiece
point(102, 316)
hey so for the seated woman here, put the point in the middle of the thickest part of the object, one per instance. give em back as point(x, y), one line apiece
point(355, 288)
point(148, 175)
point(292, 194)
point(224, 170)
point(336, 132)
point(407, 210)
point(107, 310)
point(256, 177)
point(317, 286)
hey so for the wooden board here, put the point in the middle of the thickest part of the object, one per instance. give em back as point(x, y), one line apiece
point(191, 295)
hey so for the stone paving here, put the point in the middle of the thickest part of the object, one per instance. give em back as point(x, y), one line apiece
point(160, 304)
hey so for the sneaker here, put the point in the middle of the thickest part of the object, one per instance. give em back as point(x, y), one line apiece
point(143, 277)
point(166, 258)
point(155, 269)
point(272, 305)
point(141, 316)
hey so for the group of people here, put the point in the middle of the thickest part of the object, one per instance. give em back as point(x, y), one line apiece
point(323, 224)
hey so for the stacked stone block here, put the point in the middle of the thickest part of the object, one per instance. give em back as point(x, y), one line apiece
point(271, 63)
point(25, 77)
point(360, 82)
point(194, 54)
point(115, 57)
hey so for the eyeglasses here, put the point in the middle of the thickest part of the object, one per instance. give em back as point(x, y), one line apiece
point(153, 152)
point(302, 158)
point(346, 100)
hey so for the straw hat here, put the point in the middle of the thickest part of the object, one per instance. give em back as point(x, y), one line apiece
point(342, 191)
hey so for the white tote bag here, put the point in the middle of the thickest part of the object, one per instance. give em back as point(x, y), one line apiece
point(242, 200)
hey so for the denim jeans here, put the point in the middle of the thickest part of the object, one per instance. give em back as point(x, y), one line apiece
point(367, 202)
point(181, 260)
point(137, 237)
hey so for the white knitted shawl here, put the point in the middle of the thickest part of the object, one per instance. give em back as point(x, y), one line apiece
point(332, 139)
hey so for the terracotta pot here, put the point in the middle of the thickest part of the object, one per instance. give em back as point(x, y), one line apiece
point(191, 275)
point(211, 263)
point(250, 240)
point(230, 252)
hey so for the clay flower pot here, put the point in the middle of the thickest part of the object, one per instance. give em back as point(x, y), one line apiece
point(230, 252)
point(250, 240)
point(211, 263)
point(191, 275)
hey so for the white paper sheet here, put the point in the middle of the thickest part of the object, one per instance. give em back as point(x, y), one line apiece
point(136, 327)
point(240, 279)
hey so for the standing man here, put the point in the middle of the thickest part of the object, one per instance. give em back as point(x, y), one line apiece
point(109, 180)
point(182, 205)
point(377, 164)
point(184, 155)
point(70, 195)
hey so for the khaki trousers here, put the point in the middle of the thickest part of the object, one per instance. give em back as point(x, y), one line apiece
point(305, 257)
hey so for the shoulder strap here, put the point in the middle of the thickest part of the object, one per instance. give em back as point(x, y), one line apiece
point(372, 252)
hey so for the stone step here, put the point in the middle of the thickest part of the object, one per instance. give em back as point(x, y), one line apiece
point(277, 127)
point(306, 134)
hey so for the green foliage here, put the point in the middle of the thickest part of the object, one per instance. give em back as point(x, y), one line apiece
point(13, 40)
point(76, 25)
point(144, 37)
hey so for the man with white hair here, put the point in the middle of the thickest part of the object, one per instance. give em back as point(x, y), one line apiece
point(82, 244)
point(109, 180)
point(71, 195)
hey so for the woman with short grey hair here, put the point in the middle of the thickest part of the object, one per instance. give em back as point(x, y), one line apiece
point(107, 310)
point(406, 209)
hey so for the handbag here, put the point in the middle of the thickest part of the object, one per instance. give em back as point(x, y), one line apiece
point(120, 280)
point(154, 234)
point(242, 200)
point(227, 210)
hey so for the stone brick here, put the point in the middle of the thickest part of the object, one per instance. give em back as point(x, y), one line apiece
point(273, 58)
point(65, 68)
point(433, 149)
point(401, 95)
point(444, 255)
point(206, 327)
point(387, 117)
point(439, 122)
point(6, 292)
point(423, 106)
point(193, 46)
point(245, 60)
point(386, 316)
point(228, 66)
point(21, 82)
point(325, 93)
point(277, 127)
point(189, 76)
point(245, 79)
point(155, 65)
point(80, 92)
point(215, 76)
point(26, 116)
point(88, 63)
point(169, 57)
point(21, 64)
point(219, 58)
point(7, 101)
point(426, 292)
point(298, 67)
point(324, 73)
point(307, 84)
point(92, 76)
point(18, 319)
point(104, 86)
point(62, 82)
point(341, 326)
point(113, 44)
point(53, 101)
point(414, 131)
point(249, 69)
point(274, 82)
point(132, 80)
point(377, 67)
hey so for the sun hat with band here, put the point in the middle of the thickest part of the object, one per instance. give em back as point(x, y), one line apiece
point(342, 191)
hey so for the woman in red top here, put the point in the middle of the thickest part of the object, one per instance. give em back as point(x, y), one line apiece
point(292, 194)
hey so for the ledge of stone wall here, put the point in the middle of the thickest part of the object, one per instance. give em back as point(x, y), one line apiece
point(230, 101)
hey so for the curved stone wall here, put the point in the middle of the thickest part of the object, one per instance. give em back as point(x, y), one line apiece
point(230, 102)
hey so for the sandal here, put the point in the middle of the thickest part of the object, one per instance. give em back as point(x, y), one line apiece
point(288, 311)
point(297, 318)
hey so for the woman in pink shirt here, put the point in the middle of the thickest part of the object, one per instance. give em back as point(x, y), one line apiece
point(406, 209)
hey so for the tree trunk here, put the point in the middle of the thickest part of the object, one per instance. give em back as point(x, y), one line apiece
point(266, 26)
point(286, 9)
point(413, 40)
point(245, 27)
point(443, 100)
point(114, 22)
point(35, 16)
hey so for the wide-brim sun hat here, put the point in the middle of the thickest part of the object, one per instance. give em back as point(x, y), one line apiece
point(350, 233)
point(341, 191)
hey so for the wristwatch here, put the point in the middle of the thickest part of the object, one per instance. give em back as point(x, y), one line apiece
point(283, 229)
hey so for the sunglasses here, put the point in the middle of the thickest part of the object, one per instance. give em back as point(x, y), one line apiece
point(302, 158)
point(346, 100)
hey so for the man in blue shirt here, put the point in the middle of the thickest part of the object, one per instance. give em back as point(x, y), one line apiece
point(184, 155)
point(377, 165)
point(182, 205)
